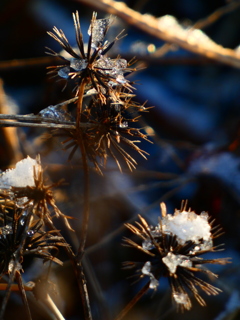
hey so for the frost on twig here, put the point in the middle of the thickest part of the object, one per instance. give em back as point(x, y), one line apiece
point(168, 29)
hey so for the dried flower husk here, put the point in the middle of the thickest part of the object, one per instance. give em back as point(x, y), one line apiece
point(39, 196)
point(92, 66)
point(22, 235)
point(170, 255)
point(108, 131)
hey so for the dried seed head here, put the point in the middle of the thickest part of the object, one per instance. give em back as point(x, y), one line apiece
point(25, 186)
point(108, 132)
point(174, 249)
point(93, 66)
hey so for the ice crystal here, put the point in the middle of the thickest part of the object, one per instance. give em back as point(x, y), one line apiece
point(172, 261)
point(64, 72)
point(180, 297)
point(146, 270)
point(78, 64)
point(147, 244)
point(113, 67)
point(97, 30)
point(56, 113)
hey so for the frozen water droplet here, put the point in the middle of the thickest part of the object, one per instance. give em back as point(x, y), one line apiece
point(78, 64)
point(147, 244)
point(124, 124)
point(6, 230)
point(30, 233)
point(146, 271)
point(153, 283)
point(180, 297)
point(120, 79)
point(146, 268)
point(64, 72)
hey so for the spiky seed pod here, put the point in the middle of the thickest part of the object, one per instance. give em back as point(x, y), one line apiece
point(39, 195)
point(108, 132)
point(20, 236)
point(174, 249)
point(93, 66)
point(26, 187)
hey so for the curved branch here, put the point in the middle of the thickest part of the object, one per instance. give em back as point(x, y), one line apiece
point(168, 29)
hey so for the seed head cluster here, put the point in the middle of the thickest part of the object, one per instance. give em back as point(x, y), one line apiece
point(103, 125)
point(25, 203)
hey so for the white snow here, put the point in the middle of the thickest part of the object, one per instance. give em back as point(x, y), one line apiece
point(21, 176)
point(187, 225)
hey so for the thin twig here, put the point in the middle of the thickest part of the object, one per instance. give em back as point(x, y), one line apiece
point(54, 308)
point(45, 122)
point(213, 17)
point(170, 31)
point(23, 293)
point(23, 63)
point(15, 287)
point(133, 302)
point(6, 123)
point(77, 266)
point(33, 118)
point(96, 287)
point(86, 195)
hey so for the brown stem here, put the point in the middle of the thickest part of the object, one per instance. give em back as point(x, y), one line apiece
point(6, 123)
point(80, 101)
point(82, 148)
point(133, 302)
point(22, 291)
point(84, 228)
point(86, 196)
point(15, 287)
point(79, 273)
point(15, 273)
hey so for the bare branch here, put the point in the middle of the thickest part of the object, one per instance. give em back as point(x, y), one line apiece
point(168, 29)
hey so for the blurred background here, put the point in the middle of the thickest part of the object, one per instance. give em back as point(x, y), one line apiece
point(195, 154)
